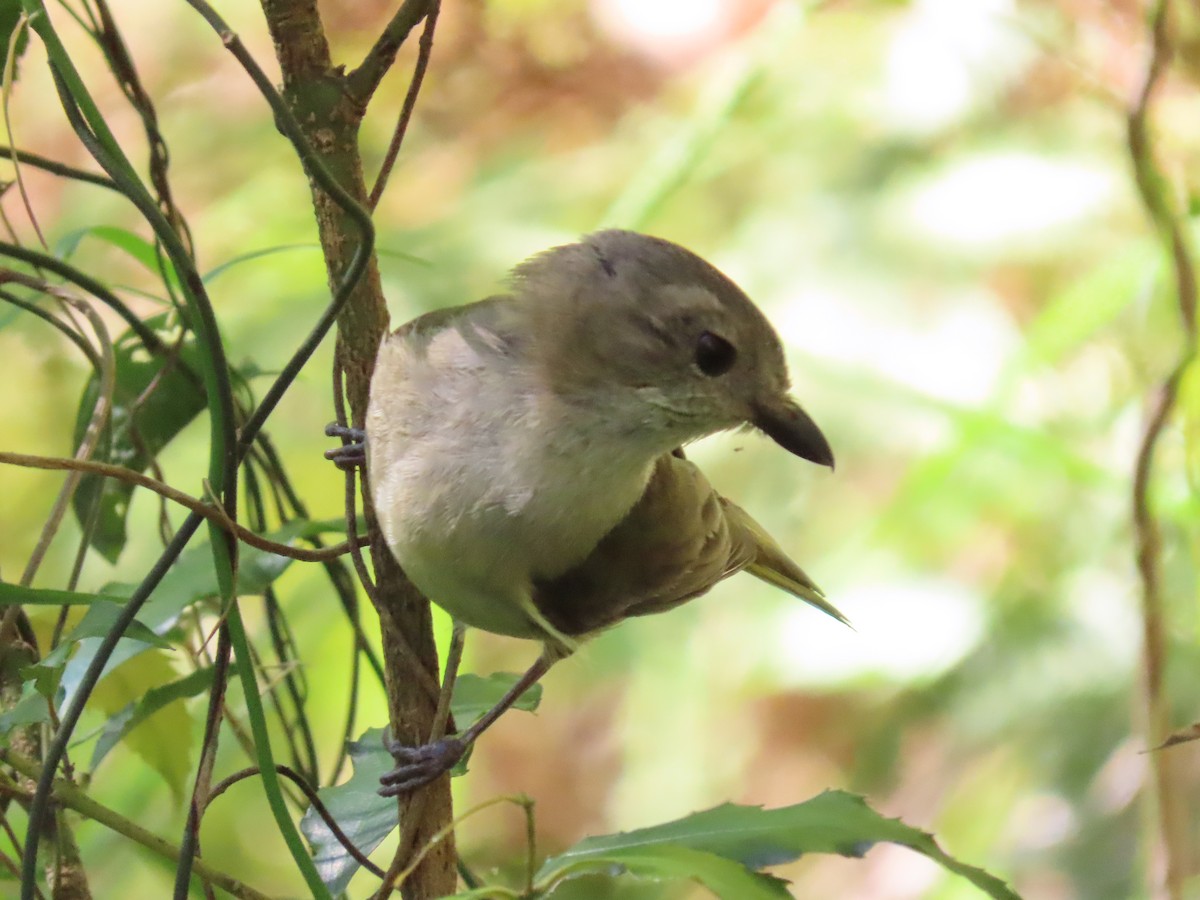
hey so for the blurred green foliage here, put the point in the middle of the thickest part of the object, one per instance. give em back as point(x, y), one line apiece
point(933, 202)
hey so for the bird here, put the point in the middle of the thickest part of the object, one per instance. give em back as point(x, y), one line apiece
point(524, 453)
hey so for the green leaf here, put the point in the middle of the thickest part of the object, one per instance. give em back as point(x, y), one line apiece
point(85, 639)
point(724, 877)
point(359, 811)
point(192, 577)
point(16, 595)
point(474, 695)
point(59, 668)
point(100, 618)
point(150, 702)
point(356, 806)
point(32, 706)
point(164, 736)
point(833, 822)
point(317, 527)
point(190, 580)
point(142, 423)
point(31, 709)
point(134, 245)
point(213, 273)
point(10, 14)
point(1089, 303)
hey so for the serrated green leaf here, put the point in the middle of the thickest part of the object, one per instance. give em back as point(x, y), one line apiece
point(724, 877)
point(364, 816)
point(141, 424)
point(832, 822)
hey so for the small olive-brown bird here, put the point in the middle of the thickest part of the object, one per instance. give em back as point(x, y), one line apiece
point(523, 452)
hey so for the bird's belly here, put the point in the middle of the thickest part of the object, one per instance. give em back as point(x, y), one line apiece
point(458, 581)
point(475, 541)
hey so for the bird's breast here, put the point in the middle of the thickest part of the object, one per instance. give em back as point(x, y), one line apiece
point(483, 484)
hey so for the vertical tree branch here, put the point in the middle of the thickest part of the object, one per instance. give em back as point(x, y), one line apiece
point(1158, 199)
point(330, 114)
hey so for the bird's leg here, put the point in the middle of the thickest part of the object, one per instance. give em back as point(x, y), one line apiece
point(424, 763)
point(417, 766)
point(351, 454)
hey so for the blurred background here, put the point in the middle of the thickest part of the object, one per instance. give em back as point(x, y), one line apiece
point(933, 202)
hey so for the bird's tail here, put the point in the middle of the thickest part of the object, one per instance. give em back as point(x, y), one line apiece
point(773, 566)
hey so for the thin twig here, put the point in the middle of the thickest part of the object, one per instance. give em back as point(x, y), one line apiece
point(201, 787)
point(10, 72)
point(106, 384)
point(349, 278)
point(210, 511)
point(56, 168)
point(70, 333)
point(402, 862)
point(519, 799)
point(122, 66)
point(317, 804)
point(339, 574)
point(350, 494)
point(75, 798)
point(85, 283)
point(363, 81)
point(424, 51)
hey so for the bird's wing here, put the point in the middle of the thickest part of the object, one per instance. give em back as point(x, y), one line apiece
point(488, 320)
point(673, 545)
point(771, 564)
point(679, 540)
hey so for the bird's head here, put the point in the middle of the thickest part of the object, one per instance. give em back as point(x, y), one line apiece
point(652, 334)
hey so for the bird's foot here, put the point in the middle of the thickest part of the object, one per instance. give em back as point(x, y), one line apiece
point(417, 766)
point(351, 455)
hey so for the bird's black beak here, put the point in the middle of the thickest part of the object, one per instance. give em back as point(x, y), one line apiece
point(791, 428)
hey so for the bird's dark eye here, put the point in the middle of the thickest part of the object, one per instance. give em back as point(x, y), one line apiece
point(714, 355)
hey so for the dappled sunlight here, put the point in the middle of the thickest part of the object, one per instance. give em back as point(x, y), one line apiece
point(947, 56)
point(999, 200)
point(904, 630)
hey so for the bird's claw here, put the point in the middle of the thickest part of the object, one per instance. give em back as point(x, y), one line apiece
point(351, 455)
point(417, 766)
